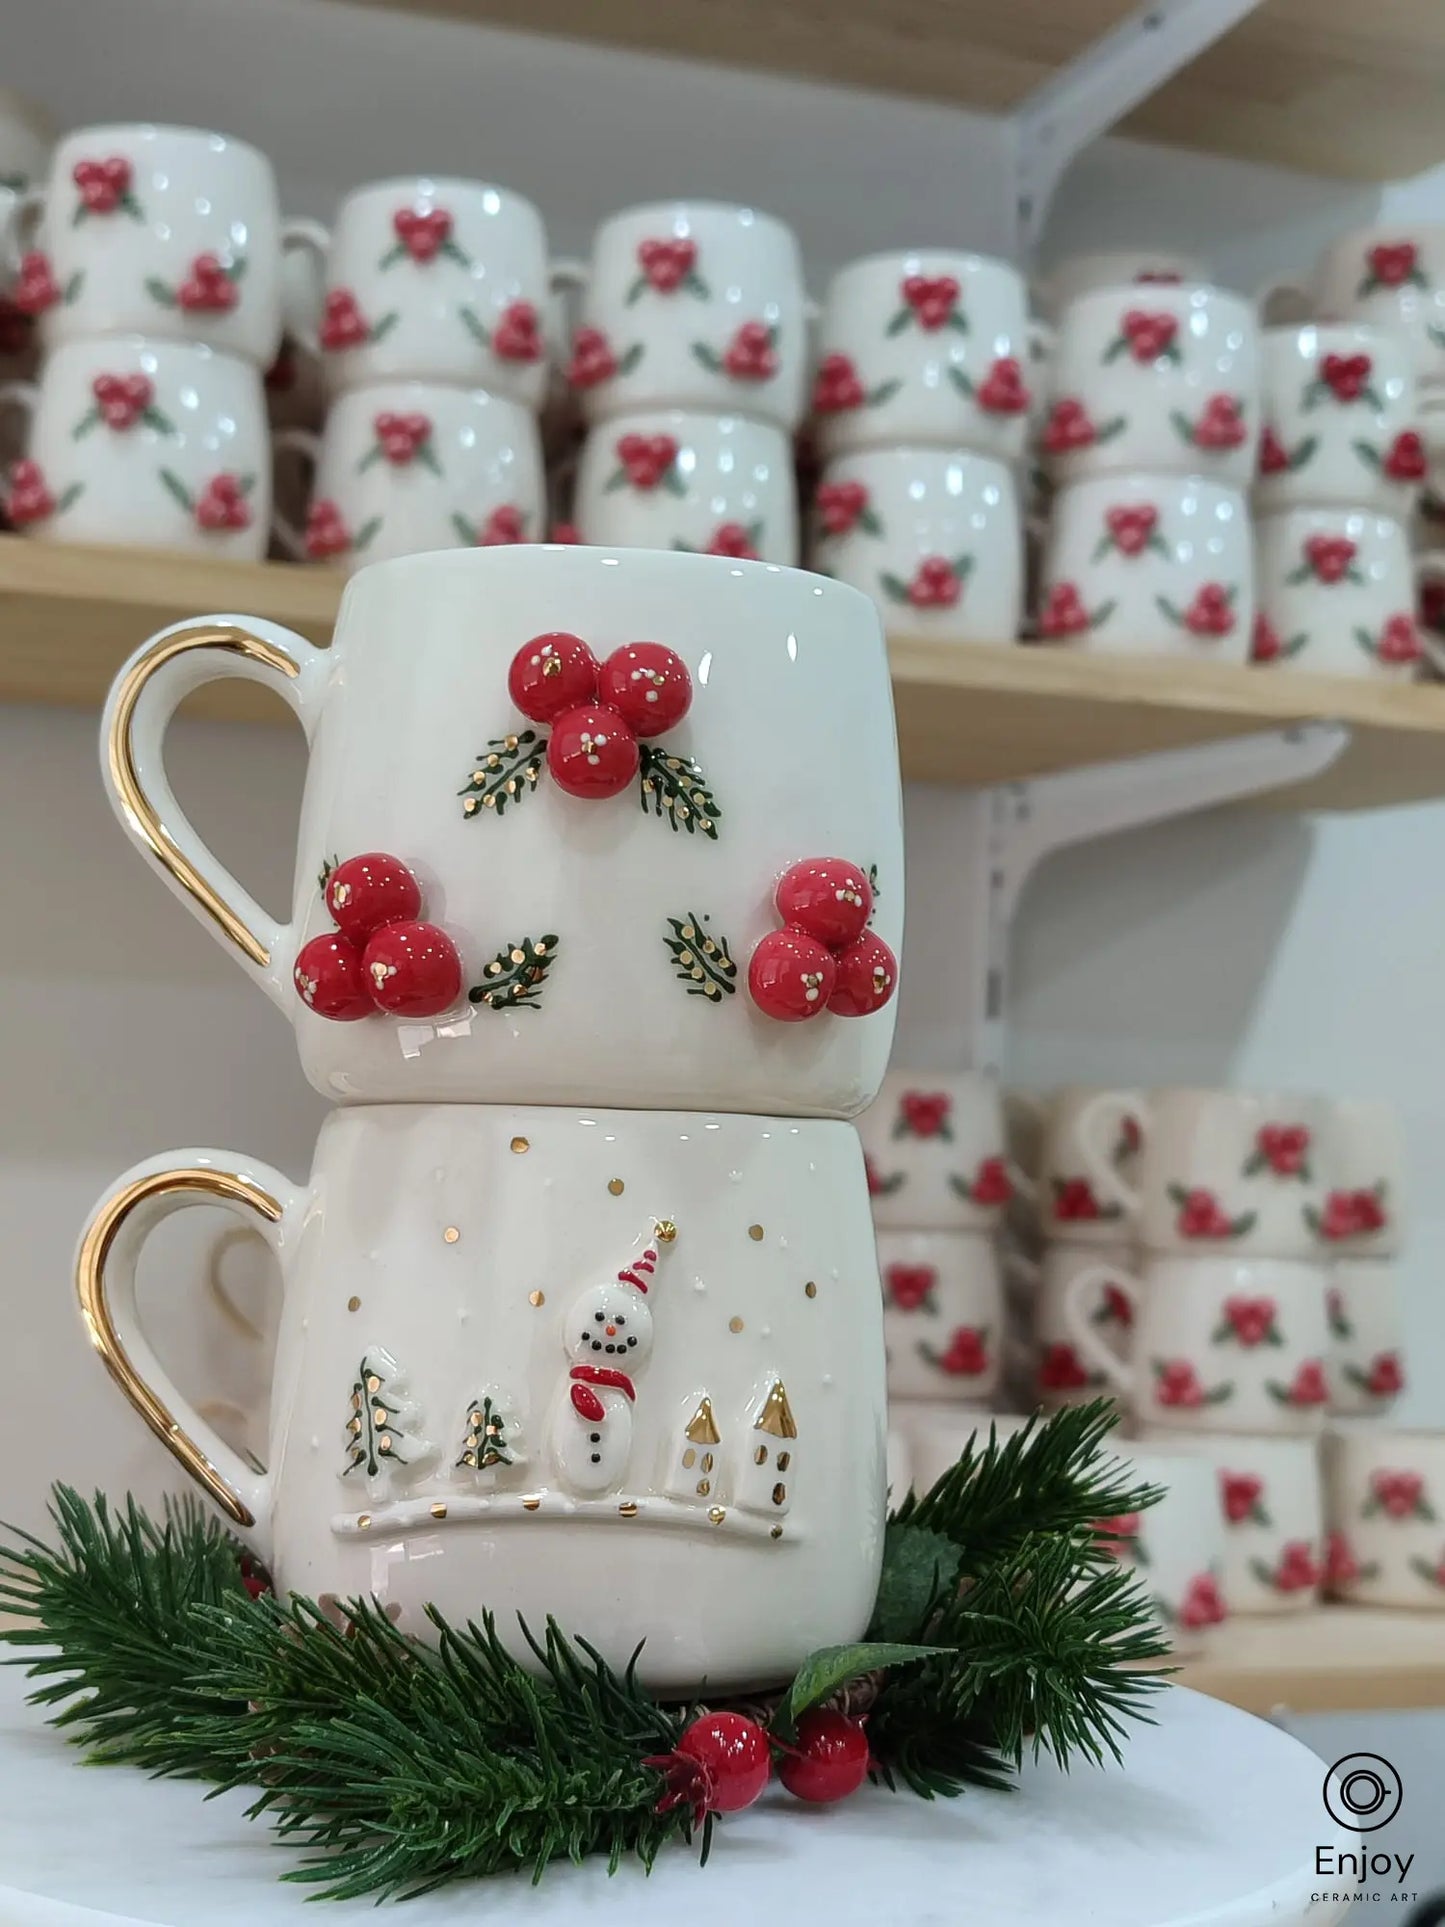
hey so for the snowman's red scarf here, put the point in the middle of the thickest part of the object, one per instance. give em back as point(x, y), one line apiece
point(588, 1405)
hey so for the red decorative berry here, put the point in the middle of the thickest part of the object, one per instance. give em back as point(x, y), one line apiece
point(30, 497)
point(1405, 459)
point(412, 970)
point(103, 184)
point(867, 977)
point(208, 288)
point(840, 505)
point(36, 288)
point(592, 360)
point(518, 333)
point(329, 979)
point(825, 897)
point(722, 1763)
point(503, 527)
point(343, 325)
point(1273, 455)
point(367, 892)
point(121, 400)
point(648, 685)
point(423, 235)
point(591, 752)
point(1003, 390)
point(666, 263)
point(829, 1758)
point(791, 976)
point(326, 530)
point(836, 386)
point(550, 674)
point(750, 355)
point(222, 504)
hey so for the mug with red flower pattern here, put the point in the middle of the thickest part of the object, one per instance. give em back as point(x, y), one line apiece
point(413, 465)
point(1161, 379)
point(1240, 1172)
point(1272, 1509)
point(154, 444)
point(668, 479)
point(1385, 1503)
point(1340, 425)
point(431, 279)
point(1365, 1212)
point(1061, 1374)
point(170, 232)
point(1141, 268)
point(1336, 594)
point(693, 305)
point(1222, 1344)
point(1176, 1546)
point(926, 348)
point(1071, 1206)
point(579, 825)
point(935, 1150)
point(1149, 565)
point(932, 534)
point(943, 1314)
point(1367, 1371)
point(1393, 277)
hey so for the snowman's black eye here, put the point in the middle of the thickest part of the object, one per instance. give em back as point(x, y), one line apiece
point(600, 1316)
point(632, 1341)
point(619, 1321)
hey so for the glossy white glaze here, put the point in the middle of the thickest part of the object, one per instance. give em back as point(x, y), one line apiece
point(932, 1140)
point(943, 1316)
point(1336, 401)
point(1351, 616)
point(1385, 1503)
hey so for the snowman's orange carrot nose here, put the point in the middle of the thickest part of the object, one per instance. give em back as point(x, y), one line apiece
point(611, 1331)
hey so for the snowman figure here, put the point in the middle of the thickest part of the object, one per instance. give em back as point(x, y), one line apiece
point(607, 1334)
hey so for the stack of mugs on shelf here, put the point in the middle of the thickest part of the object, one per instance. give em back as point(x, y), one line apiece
point(920, 410)
point(27, 137)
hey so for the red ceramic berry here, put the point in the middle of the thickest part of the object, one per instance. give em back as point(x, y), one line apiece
point(867, 978)
point(366, 892)
point(329, 979)
point(550, 674)
point(733, 1752)
point(591, 752)
point(829, 1759)
point(826, 896)
point(412, 970)
point(791, 976)
point(648, 685)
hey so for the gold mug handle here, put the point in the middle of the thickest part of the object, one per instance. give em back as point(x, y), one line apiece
point(142, 700)
point(105, 1268)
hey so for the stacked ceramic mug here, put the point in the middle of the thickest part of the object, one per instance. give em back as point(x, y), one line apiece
point(940, 1178)
point(688, 363)
point(555, 1339)
point(152, 259)
point(920, 410)
point(1150, 441)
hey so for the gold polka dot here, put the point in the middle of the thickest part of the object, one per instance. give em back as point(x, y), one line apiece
point(755, 1232)
point(353, 1304)
point(439, 1510)
point(364, 1520)
point(536, 1297)
point(616, 1187)
point(451, 1234)
point(717, 1514)
point(530, 1505)
point(665, 1231)
point(780, 1493)
point(810, 1290)
point(520, 1144)
point(628, 1508)
point(689, 1458)
point(735, 1324)
point(776, 1533)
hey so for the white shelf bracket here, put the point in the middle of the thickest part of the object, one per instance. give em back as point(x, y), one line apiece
point(1083, 100)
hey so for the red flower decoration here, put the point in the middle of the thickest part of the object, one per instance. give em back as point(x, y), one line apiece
point(1298, 1570)
point(1118, 1532)
point(1329, 556)
point(1342, 1568)
point(222, 505)
point(991, 1182)
point(646, 459)
point(1069, 426)
point(518, 333)
point(1149, 335)
point(1386, 1378)
point(1273, 455)
point(925, 1113)
point(1201, 1215)
point(122, 399)
point(1309, 1385)
point(1117, 1307)
point(1266, 645)
point(836, 386)
point(1221, 425)
point(751, 355)
point(1131, 527)
point(422, 235)
point(402, 437)
point(666, 264)
point(1392, 264)
point(878, 1185)
point(1202, 1604)
point(30, 500)
point(209, 288)
point(343, 325)
point(731, 538)
point(1063, 613)
point(1061, 1370)
point(1284, 1148)
point(1003, 390)
point(967, 1354)
point(910, 1286)
point(1346, 375)
point(1239, 1494)
point(1397, 1493)
point(1398, 642)
point(503, 527)
point(1211, 613)
point(935, 584)
point(103, 185)
point(1252, 1320)
point(1177, 1384)
point(326, 530)
point(932, 298)
point(36, 287)
point(840, 504)
point(1075, 1203)
point(592, 360)
point(1405, 459)
point(567, 533)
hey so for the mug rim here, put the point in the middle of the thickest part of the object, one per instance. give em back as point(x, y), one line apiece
point(669, 210)
point(440, 183)
point(134, 340)
point(148, 130)
point(1148, 290)
point(969, 257)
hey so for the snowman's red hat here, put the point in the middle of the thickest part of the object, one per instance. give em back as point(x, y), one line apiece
point(638, 1274)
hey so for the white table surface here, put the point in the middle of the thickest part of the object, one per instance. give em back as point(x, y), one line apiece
point(1212, 1822)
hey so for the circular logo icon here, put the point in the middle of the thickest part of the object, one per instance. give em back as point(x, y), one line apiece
point(1363, 1792)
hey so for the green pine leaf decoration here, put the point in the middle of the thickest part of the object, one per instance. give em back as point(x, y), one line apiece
point(506, 771)
point(830, 1667)
point(323, 875)
point(919, 1567)
point(673, 786)
point(700, 958)
point(176, 487)
point(514, 979)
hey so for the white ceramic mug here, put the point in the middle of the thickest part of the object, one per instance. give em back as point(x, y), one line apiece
point(933, 535)
point(1336, 592)
point(155, 444)
point(665, 479)
point(1271, 1505)
point(1160, 380)
point(1340, 427)
point(1219, 1344)
point(432, 279)
point(1367, 1372)
point(1062, 1375)
point(510, 1375)
point(1385, 1503)
point(942, 1314)
point(1393, 277)
point(1114, 268)
point(934, 1144)
point(695, 305)
point(1071, 1207)
point(633, 875)
point(924, 348)
point(1248, 1173)
point(1175, 1546)
point(410, 465)
point(1149, 565)
point(1367, 1155)
point(172, 232)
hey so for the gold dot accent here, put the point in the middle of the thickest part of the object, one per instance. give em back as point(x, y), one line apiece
point(665, 1231)
point(735, 1324)
point(628, 1508)
point(536, 1297)
point(755, 1232)
point(776, 1533)
point(810, 1290)
point(717, 1514)
point(760, 1457)
point(785, 1459)
point(704, 1486)
point(439, 1510)
point(530, 1505)
point(689, 1459)
point(780, 1493)
point(353, 1304)
point(521, 1145)
point(451, 1234)
point(616, 1187)
point(364, 1520)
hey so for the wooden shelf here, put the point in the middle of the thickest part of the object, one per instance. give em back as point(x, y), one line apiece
point(70, 616)
point(1334, 1659)
point(1328, 86)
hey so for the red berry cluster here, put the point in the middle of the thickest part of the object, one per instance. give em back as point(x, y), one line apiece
point(723, 1761)
point(825, 957)
point(379, 957)
point(598, 710)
